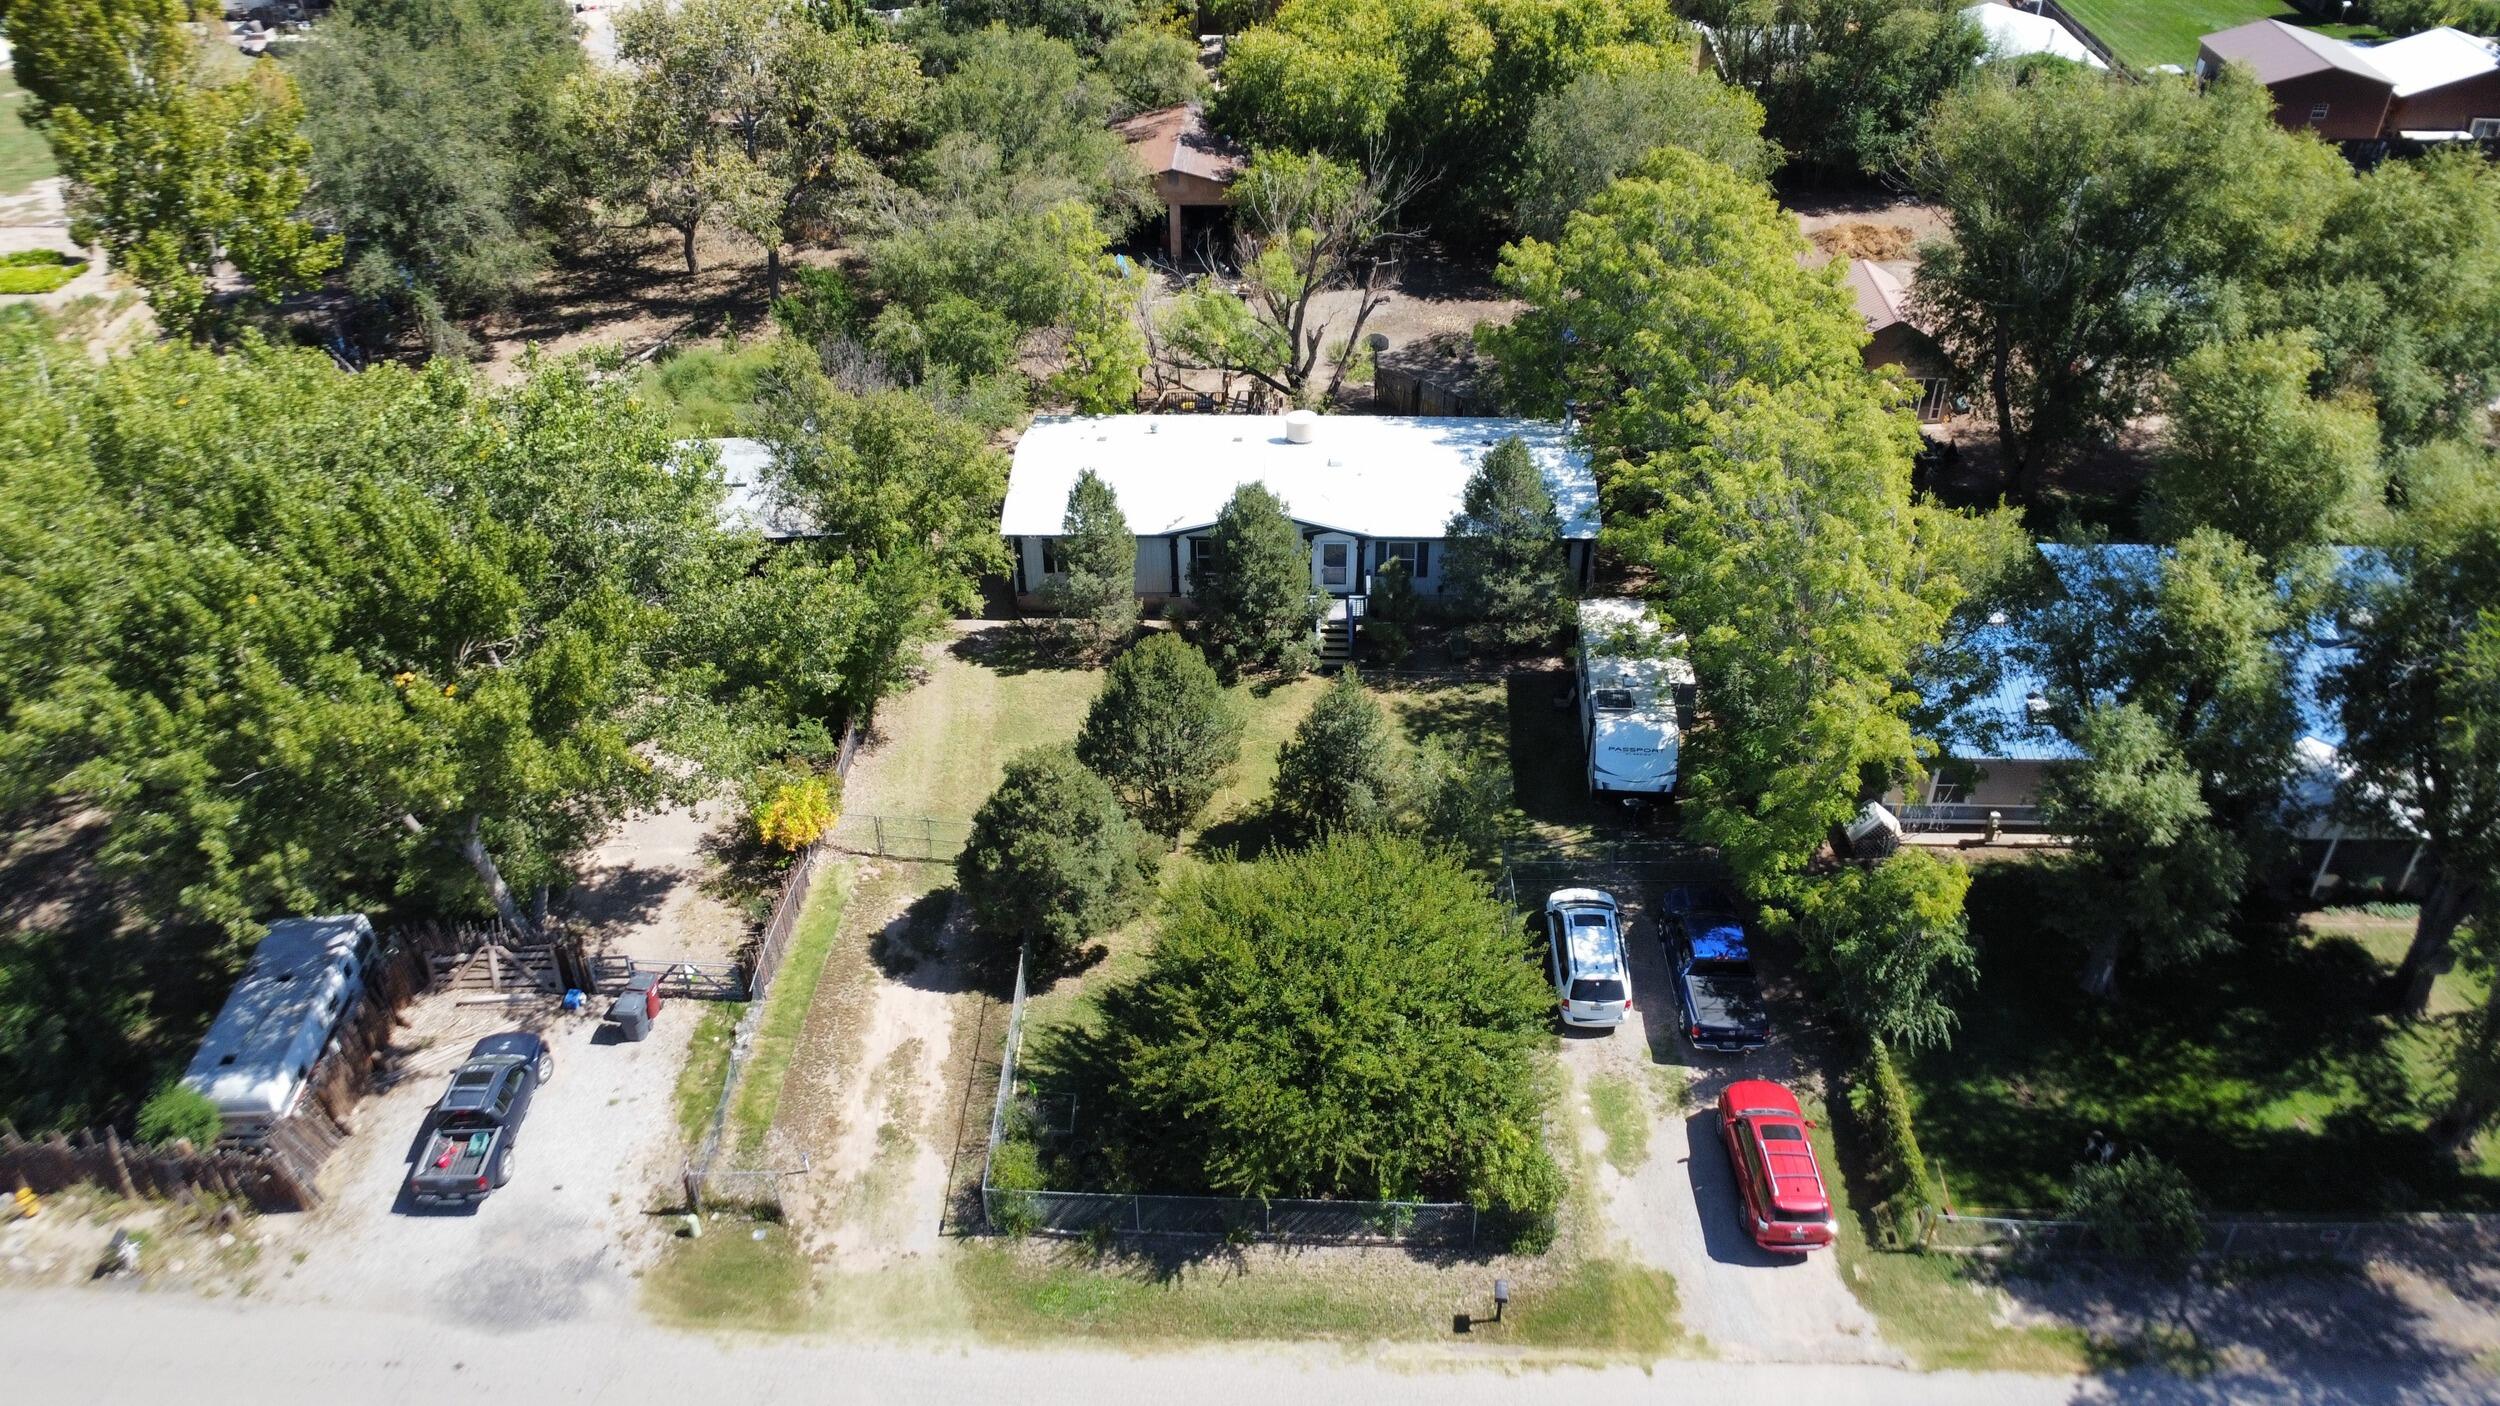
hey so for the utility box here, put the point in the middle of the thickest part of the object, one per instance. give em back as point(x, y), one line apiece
point(636, 1006)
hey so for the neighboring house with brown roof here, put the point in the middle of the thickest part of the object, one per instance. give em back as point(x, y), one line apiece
point(2319, 84)
point(1193, 169)
point(1894, 340)
point(2439, 85)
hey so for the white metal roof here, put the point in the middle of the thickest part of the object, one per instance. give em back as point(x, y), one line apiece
point(2433, 58)
point(751, 502)
point(1372, 475)
point(2013, 33)
point(279, 1015)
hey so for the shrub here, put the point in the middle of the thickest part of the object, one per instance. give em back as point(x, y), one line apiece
point(1162, 732)
point(178, 1111)
point(1015, 1167)
point(1053, 858)
point(2138, 1207)
point(796, 808)
point(1339, 770)
point(1882, 1106)
point(21, 275)
point(1351, 1021)
point(821, 307)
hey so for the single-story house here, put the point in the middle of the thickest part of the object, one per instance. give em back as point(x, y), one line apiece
point(2014, 33)
point(1999, 745)
point(1894, 339)
point(2439, 85)
point(1193, 169)
point(1363, 489)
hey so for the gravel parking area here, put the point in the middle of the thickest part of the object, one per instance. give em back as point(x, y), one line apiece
point(598, 1157)
point(1677, 1210)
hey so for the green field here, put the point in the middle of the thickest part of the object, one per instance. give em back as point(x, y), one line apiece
point(24, 157)
point(2147, 32)
point(2264, 1073)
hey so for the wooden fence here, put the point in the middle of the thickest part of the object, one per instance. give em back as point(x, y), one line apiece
point(278, 1171)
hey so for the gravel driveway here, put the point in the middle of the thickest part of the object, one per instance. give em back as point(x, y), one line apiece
point(561, 1242)
point(1677, 1210)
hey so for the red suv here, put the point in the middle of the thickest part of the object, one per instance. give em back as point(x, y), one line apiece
point(1785, 1206)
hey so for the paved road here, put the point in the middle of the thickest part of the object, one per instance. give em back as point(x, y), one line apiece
point(89, 1345)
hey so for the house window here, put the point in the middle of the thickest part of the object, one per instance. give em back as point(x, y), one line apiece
point(1201, 555)
point(1051, 565)
point(2486, 129)
point(2317, 114)
point(1415, 553)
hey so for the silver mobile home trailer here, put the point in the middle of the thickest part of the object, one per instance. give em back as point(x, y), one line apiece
point(305, 976)
point(1633, 687)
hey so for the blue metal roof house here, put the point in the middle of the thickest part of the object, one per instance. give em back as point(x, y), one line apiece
point(1999, 742)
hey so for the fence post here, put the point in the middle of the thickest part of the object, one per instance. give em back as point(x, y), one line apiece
point(1137, 1214)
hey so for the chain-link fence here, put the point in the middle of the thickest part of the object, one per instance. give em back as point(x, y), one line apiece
point(2439, 1236)
point(1024, 1110)
point(901, 836)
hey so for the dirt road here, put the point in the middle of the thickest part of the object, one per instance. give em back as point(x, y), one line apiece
point(110, 1345)
point(1676, 1209)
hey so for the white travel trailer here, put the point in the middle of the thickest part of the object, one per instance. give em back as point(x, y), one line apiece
point(305, 976)
point(1635, 690)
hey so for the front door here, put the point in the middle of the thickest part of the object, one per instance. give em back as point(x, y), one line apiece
point(1332, 565)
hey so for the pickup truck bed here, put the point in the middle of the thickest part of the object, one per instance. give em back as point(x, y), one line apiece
point(1724, 1006)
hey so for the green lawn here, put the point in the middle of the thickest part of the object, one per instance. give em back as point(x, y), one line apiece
point(2148, 32)
point(785, 1009)
point(2262, 1073)
point(24, 157)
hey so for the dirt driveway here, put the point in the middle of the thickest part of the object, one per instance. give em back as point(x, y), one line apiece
point(1676, 1210)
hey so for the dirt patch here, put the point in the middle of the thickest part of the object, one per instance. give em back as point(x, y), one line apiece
point(1864, 239)
point(631, 289)
point(650, 889)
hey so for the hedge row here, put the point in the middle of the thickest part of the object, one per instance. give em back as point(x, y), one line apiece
point(1882, 1105)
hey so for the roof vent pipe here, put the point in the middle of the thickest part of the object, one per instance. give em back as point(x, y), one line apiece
point(1301, 427)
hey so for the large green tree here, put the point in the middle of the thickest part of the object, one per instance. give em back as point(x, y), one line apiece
point(315, 640)
point(1442, 88)
point(1162, 732)
point(1845, 83)
point(2093, 228)
point(1053, 858)
point(2152, 875)
point(745, 114)
point(1350, 1021)
point(1506, 568)
point(905, 495)
point(172, 167)
point(435, 146)
point(2420, 698)
point(1595, 130)
point(1760, 475)
point(1256, 608)
point(2252, 453)
point(1890, 942)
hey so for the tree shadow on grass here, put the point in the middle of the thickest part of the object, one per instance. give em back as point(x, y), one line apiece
point(1021, 647)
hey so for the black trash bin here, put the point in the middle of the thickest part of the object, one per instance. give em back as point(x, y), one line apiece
point(633, 1007)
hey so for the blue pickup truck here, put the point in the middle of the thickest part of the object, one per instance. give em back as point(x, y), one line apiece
point(1719, 997)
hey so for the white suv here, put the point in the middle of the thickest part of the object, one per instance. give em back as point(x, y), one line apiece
point(1584, 957)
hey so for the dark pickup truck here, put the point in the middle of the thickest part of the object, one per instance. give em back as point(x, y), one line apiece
point(1715, 986)
point(477, 1124)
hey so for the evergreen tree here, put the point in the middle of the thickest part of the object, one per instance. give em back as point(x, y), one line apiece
point(1507, 569)
point(1255, 603)
point(1053, 858)
point(1339, 771)
point(1162, 732)
point(1095, 591)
